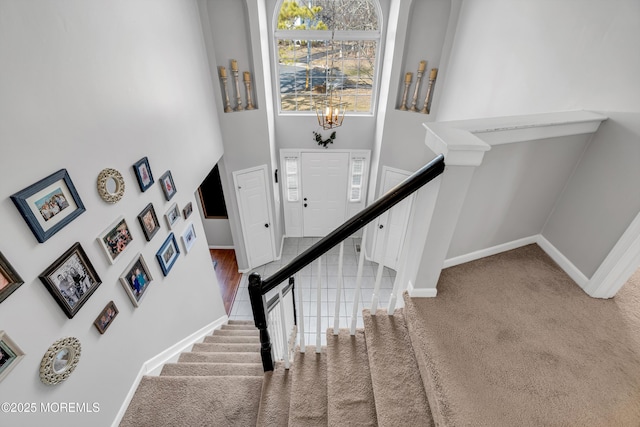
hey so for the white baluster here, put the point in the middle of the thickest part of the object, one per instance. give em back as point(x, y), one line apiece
point(283, 328)
point(303, 346)
point(376, 290)
point(356, 296)
point(336, 312)
point(319, 309)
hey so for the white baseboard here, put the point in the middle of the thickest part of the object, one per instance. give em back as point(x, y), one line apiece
point(563, 261)
point(155, 363)
point(472, 256)
point(421, 293)
point(221, 247)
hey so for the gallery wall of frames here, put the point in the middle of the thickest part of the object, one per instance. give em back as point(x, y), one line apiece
point(47, 207)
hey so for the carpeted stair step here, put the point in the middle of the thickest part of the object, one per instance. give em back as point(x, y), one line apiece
point(308, 404)
point(194, 401)
point(400, 397)
point(212, 369)
point(242, 322)
point(226, 348)
point(349, 389)
point(235, 327)
point(208, 357)
point(232, 339)
point(236, 333)
point(275, 398)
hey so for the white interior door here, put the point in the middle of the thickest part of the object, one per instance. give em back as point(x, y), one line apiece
point(255, 215)
point(325, 178)
point(397, 228)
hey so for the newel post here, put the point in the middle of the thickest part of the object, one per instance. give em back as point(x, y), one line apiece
point(260, 319)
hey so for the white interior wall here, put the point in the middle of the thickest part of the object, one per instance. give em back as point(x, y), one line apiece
point(85, 86)
point(602, 197)
point(512, 58)
point(513, 192)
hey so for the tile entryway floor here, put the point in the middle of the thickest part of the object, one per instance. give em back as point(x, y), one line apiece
point(306, 282)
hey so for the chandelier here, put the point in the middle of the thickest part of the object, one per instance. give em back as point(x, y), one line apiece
point(330, 109)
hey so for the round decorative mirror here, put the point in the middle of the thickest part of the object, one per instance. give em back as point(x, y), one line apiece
point(60, 360)
point(110, 185)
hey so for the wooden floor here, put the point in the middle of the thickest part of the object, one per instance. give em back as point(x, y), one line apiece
point(227, 274)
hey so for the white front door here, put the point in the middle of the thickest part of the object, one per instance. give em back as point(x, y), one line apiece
point(397, 228)
point(255, 214)
point(324, 191)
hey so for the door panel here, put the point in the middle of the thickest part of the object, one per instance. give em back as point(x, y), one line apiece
point(397, 228)
point(254, 213)
point(324, 190)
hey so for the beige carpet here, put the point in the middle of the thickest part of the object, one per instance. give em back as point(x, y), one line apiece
point(308, 404)
point(275, 398)
point(512, 341)
point(399, 392)
point(349, 391)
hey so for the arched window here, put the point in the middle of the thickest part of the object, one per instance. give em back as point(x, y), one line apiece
point(327, 46)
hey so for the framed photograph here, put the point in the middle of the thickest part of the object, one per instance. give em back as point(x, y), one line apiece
point(168, 254)
point(168, 187)
point(172, 216)
point(116, 239)
point(49, 205)
point(187, 210)
point(10, 280)
point(136, 279)
point(10, 354)
point(188, 237)
point(143, 174)
point(104, 319)
point(149, 222)
point(71, 280)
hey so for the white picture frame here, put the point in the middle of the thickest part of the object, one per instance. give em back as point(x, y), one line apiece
point(188, 237)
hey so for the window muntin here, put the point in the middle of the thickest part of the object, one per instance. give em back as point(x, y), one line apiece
point(292, 181)
point(356, 179)
point(317, 53)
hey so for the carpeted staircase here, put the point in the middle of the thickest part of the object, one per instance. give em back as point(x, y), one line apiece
point(510, 340)
point(368, 379)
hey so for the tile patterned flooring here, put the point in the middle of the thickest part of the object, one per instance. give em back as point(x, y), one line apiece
point(306, 281)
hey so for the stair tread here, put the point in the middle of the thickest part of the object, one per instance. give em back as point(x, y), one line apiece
point(226, 347)
point(241, 322)
point(394, 368)
point(193, 401)
point(226, 357)
point(232, 339)
point(212, 369)
point(308, 404)
point(275, 398)
point(235, 327)
point(349, 387)
point(236, 333)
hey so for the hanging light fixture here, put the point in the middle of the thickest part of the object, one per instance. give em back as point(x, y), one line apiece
point(330, 109)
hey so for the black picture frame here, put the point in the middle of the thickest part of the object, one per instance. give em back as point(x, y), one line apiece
point(10, 280)
point(149, 222)
point(168, 254)
point(143, 174)
point(71, 280)
point(168, 186)
point(106, 316)
point(49, 205)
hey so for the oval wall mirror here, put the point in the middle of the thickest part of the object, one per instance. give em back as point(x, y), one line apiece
point(60, 360)
point(110, 185)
